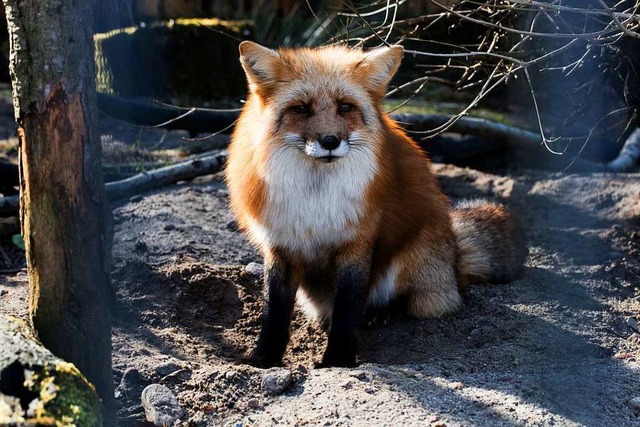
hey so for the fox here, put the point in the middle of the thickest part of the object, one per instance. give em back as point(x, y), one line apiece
point(344, 206)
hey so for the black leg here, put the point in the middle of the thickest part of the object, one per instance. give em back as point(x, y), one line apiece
point(348, 312)
point(276, 317)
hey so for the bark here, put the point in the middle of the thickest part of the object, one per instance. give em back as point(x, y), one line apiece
point(66, 225)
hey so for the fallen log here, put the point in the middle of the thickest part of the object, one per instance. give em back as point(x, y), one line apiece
point(195, 120)
point(36, 387)
point(184, 171)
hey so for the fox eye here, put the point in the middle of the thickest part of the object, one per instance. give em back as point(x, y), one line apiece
point(345, 107)
point(301, 109)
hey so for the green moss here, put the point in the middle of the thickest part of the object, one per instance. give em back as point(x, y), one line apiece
point(60, 395)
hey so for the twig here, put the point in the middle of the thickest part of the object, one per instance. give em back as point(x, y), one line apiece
point(619, 24)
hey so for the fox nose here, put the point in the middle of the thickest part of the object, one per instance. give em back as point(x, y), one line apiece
point(329, 142)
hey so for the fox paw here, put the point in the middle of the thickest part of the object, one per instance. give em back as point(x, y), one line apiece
point(260, 360)
point(337, 360)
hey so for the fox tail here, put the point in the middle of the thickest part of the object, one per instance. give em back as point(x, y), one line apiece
point(490, 241)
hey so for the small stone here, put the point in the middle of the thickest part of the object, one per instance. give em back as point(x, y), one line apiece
point(347, 385)
point(130, 381)
point(169, 227)
point(160, 405)
point(361, 375)
point(131, 376)
point(276, 381)
point(255, 269)
point(457, 385)
point(370, 390)
point(632, 323)
point(232, 226)
point(253, 403)
point(167, 368)
point(621, 355)
point(135, 199)
point(230, 375)
point(635, 404)
point(3, 292)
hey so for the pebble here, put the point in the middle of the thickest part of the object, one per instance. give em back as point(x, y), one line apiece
point(230, 375)
point(253, 403)
point(276, 381)
point(167, 368)
point(632, 323)
point(361, 375)
point(232, 226)
point(621, 355)
point(3, 292)
point(370, 390)
point(161, 405)
point(635, 404)
point(169, 227)
point(131, 378)
point(457, 385)
point(255, 268)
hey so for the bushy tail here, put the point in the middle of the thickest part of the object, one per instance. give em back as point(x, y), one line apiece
point(491, 243)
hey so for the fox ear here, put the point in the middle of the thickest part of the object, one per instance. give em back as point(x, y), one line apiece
point(381, 64)
point(260, 64)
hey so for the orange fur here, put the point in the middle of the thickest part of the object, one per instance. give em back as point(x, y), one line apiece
point(379, 206)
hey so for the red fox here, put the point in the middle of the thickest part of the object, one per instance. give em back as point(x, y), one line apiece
point(344, 205)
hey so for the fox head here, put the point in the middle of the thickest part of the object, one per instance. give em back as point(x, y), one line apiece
point(323, 101)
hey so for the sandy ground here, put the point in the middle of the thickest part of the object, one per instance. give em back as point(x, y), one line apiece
point(553, 348)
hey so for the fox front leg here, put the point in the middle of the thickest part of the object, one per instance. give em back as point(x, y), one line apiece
point(348, 312)
point(279, 300)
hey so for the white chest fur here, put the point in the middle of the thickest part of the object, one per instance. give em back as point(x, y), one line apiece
point(312, 205)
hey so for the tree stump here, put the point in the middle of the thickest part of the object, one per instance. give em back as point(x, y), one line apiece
point(37, 388)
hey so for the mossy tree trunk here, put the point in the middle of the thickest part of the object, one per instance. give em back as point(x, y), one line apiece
point(65, 221)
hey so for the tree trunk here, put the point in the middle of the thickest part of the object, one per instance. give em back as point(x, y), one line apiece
point(65, 220)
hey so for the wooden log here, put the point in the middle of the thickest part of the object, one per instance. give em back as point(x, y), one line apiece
point(183, 171)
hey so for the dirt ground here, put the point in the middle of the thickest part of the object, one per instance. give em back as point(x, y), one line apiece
point(553, 348)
